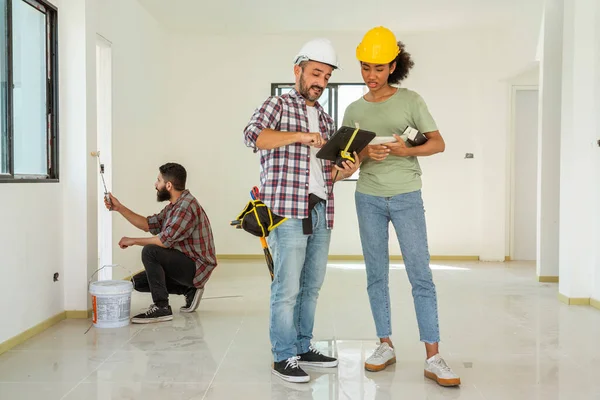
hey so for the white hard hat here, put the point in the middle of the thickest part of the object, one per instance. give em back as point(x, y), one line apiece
point(320, 50)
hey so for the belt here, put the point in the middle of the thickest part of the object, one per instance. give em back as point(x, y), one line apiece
point(313, 200)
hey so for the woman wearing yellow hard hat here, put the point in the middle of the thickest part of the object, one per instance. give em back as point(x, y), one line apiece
point(389, 189)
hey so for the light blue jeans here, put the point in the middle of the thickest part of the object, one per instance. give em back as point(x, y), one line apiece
point(300, 262)
point(407, 214)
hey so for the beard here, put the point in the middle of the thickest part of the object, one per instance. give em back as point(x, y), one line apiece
point(162, 195)
point(305, 90)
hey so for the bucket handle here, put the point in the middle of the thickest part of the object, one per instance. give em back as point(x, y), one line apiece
point(110, 266)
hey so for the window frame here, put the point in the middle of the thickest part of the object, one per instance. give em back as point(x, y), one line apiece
point(52, 81)
point(333, 106)
point(333, 95)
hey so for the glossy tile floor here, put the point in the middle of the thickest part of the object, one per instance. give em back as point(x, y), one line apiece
point(505, 334)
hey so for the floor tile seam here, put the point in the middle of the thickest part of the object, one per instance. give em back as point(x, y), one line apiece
point(100, 365)
point(224, 357)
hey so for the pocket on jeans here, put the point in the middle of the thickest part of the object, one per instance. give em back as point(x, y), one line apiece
point(413, 197)
point(287, 225)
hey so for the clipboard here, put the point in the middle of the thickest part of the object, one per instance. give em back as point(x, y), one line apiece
point(344, 143)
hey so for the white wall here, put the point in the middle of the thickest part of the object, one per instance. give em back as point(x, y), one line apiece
point(140, 123)
point(138, 133)
point(31, 253)
point(53, 225)
point(549, 130)
point(595, 144)
point(579, 175)
point(73, 139)
point(216, 82)
point(596, 167)
point(138, 130)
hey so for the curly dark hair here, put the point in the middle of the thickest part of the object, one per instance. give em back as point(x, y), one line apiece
point(403, 66)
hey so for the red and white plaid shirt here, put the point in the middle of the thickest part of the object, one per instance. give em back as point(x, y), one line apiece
point(184, 226)
point(285, 171)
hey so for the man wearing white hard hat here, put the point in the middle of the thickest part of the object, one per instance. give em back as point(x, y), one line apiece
point(287, 131)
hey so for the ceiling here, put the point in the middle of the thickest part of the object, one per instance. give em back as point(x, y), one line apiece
point(284, 16)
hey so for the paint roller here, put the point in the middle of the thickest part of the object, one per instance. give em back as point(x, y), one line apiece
point(101, 166)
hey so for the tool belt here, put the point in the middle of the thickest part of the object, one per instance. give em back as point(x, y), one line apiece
point(257, 219)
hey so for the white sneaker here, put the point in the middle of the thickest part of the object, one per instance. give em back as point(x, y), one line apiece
point(383, 356)
point(437, 370)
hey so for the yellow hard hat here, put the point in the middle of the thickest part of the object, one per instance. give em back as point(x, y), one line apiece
point(379, 46)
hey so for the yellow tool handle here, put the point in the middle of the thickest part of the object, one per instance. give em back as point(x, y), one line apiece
point(350, 141)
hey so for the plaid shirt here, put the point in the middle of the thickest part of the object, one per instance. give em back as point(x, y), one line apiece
point(184, 226)
point(285, 171)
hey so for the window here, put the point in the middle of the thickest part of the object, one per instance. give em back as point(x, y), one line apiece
point(335, 99)
point(29, 95)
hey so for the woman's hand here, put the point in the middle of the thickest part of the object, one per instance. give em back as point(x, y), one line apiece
point(377, 152)
point(398, 148)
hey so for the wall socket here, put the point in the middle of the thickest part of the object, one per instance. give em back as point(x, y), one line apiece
point(469, 155)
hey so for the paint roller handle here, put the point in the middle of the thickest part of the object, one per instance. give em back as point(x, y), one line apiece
point(111, 202)
point(107, 198)
point(108, 201)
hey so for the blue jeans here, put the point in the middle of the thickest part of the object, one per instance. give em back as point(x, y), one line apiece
point(407, 214)
point(300, 262)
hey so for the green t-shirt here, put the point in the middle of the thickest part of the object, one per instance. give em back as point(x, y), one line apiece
point(394, 175)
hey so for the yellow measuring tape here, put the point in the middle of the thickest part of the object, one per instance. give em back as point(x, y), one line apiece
point(344, 153)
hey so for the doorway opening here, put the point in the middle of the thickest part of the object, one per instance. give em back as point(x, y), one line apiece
point(524, 166)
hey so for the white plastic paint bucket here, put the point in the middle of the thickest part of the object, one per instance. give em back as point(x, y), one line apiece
point(111, 303)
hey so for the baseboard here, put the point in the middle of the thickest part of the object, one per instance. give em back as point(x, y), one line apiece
point(345, 257)
point(42, 326)
point(31, 332)
point(574, 301)
point(79, 314)
point(595, 303)
point(241, 257)
point(454, 258)
point(579, 302)
point(548, 279)
point(563, 299)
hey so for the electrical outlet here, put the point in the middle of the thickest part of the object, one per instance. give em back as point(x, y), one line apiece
point(469, 155)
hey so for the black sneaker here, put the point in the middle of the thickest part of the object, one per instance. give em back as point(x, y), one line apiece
point(290, 371)
point(314, 358)
point(192, 300)
point(154, 314)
